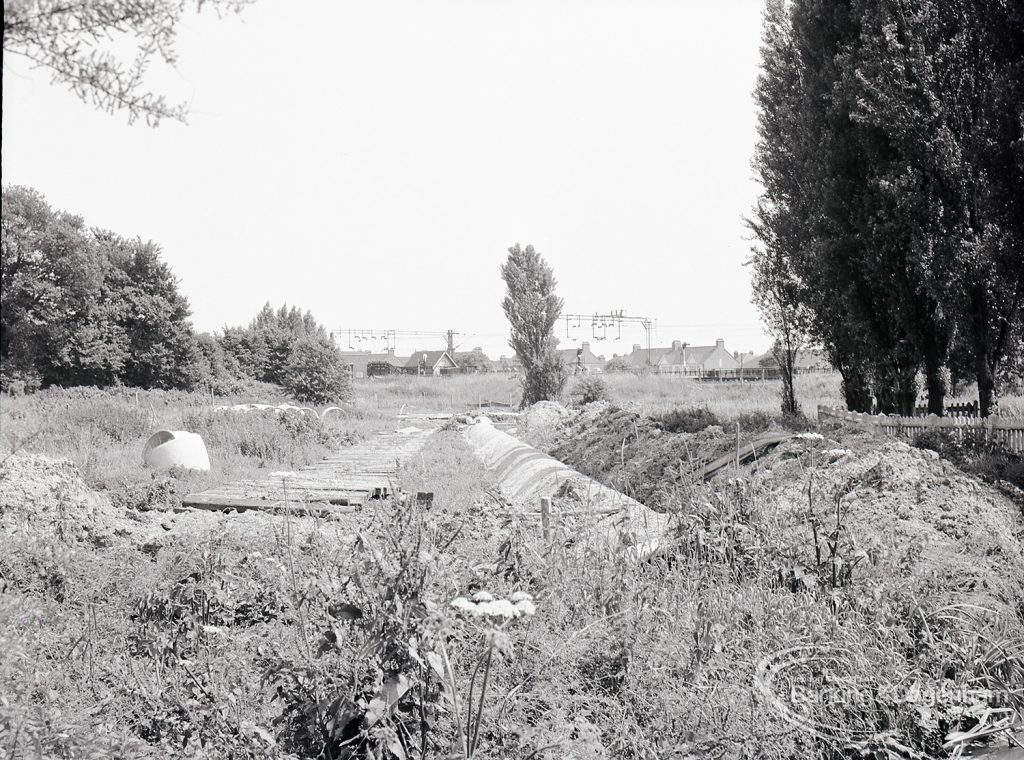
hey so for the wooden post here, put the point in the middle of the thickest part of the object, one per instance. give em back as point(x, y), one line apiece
point(737, 445)
point(545, 517)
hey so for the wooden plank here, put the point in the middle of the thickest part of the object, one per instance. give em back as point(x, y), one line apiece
point(745, 453)
point(245, 505)
point(268, 500)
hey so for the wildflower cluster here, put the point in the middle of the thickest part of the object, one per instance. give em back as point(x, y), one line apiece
point(484, 605)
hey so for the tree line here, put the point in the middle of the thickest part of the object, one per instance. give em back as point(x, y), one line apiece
point(85, 306)
point(890, 228)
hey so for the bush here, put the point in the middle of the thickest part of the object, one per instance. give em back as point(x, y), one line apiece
point(315, 374)
point(798, 422)
point(689, 419)
point(757, 421)
point(590, 388)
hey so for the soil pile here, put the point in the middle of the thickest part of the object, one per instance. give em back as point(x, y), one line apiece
point(39, 494)
point(901, 507)
point(543, 424)
point(902, 511)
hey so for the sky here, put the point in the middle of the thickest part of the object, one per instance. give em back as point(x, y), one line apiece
point(373, 161)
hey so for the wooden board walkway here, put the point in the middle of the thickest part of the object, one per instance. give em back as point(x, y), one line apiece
point(349, 478)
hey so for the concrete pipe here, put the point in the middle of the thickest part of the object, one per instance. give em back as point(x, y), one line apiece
point(526, 475)
point(176, 448)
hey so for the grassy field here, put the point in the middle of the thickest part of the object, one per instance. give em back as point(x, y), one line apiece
point(647, 394)
point(128, 630)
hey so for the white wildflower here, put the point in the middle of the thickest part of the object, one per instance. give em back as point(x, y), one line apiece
point(499, 608)
point(462, 603)
point(525, 607)
point(483, 596)
point(519, 596)
point(282, 474)
point(836, 452)
point(810, 436)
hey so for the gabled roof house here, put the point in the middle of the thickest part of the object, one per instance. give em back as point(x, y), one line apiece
point(430, 363)
point(683, 359)
point(581, 360)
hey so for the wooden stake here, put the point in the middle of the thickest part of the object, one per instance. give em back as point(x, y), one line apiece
point(545, 517)
point(737, 445)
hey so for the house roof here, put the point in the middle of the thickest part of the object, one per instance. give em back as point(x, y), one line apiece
point(388, 358)
point(430, 358)
point(812, 357)
point(689, 356)
point(568, 355)
point(639, 357)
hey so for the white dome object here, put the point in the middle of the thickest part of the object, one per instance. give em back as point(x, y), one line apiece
point(176, 448)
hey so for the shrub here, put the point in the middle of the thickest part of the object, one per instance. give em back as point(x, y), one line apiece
point(689, 419)
point(315, 374)
point(589, 389)
point(798, 422)
point(757, 421)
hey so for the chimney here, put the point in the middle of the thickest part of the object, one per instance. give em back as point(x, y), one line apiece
point(585, 346)
point(720, 343)
point(636, 347)
point(676, 345)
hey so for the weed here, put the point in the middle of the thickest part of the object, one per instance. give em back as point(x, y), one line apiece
point(691, 419)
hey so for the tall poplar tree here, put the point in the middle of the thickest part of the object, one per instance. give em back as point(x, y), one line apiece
point(533, 308)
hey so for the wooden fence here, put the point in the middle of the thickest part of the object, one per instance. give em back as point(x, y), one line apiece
point(1007, 431)
point(953, 410)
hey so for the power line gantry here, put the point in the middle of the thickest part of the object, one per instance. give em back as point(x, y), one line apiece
point(601, 323)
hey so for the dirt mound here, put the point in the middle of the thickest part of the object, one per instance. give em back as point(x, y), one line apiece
point(40, 494)
point(900, 507)
point(632, 454)
point(543, 424)
point(902, 511)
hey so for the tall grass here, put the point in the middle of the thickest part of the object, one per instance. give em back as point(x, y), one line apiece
point(104, 433)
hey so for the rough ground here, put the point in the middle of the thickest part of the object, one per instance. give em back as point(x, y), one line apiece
point(628, 451)
point(45, 497)
point(862, 542)
point(897, 504)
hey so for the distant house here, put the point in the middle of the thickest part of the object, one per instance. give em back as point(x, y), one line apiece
point(683, 359)
point(355, 362)
point(385, 364)
point(581, 361)
point(368, 364)
point(807, 361)
point(430, 363)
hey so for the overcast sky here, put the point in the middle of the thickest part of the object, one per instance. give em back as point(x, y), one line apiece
point(372, 161)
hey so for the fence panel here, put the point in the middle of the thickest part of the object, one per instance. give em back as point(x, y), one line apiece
point(1007, 431)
